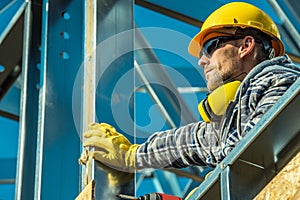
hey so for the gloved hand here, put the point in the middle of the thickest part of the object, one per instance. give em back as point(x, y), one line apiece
point(112, 148)
point(115, 178)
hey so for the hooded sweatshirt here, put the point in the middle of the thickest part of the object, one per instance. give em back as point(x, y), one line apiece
point(206, 144)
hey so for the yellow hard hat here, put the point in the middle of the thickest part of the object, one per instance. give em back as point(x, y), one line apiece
point(236, 14)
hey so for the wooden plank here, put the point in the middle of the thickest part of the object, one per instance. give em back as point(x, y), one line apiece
point(286, 184)
point(88, 192)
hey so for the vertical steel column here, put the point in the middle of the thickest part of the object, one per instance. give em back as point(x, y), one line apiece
point(29, 104)
point(89, 79)
point(114, 64)
point(58, 140)
point(225, 183)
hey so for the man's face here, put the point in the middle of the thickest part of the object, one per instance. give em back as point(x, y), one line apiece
point(222, 64)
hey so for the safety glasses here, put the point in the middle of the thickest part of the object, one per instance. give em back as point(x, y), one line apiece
point(210, 46)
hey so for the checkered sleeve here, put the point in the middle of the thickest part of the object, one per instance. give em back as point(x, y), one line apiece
point(177, 148)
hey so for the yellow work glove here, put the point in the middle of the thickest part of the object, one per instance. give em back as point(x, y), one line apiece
point(112, 148)
point(115, 178)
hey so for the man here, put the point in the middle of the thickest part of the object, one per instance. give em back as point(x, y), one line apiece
point(240, 50)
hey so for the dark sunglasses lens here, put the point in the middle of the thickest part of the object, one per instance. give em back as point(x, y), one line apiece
point(209, 47)
point(212, 46)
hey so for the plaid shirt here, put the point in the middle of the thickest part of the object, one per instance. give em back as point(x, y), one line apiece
point(203, 143)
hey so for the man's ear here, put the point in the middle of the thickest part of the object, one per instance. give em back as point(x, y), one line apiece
point(247, 46)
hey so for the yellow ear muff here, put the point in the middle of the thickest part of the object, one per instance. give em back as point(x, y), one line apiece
point(215, 104)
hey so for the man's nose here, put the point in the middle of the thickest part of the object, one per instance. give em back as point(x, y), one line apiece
point(203, 61)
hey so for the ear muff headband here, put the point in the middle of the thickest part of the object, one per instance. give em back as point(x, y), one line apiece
point(215, 104)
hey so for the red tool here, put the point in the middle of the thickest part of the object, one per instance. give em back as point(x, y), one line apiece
point(151, 196)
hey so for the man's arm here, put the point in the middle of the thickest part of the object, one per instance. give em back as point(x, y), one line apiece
point(178, 148)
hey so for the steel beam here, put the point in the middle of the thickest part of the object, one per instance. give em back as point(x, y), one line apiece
point(113, 60)
point(225, 184)
point(26, 156)
point(58, 141)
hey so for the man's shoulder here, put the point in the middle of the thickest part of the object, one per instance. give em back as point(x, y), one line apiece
point(270, 77)
point(278, 68)
point(276, 73)
point(281, 64)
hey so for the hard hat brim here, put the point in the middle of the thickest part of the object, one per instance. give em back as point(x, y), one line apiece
point(199, 40)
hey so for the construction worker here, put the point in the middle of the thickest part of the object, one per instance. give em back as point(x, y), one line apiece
point(243, 58)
